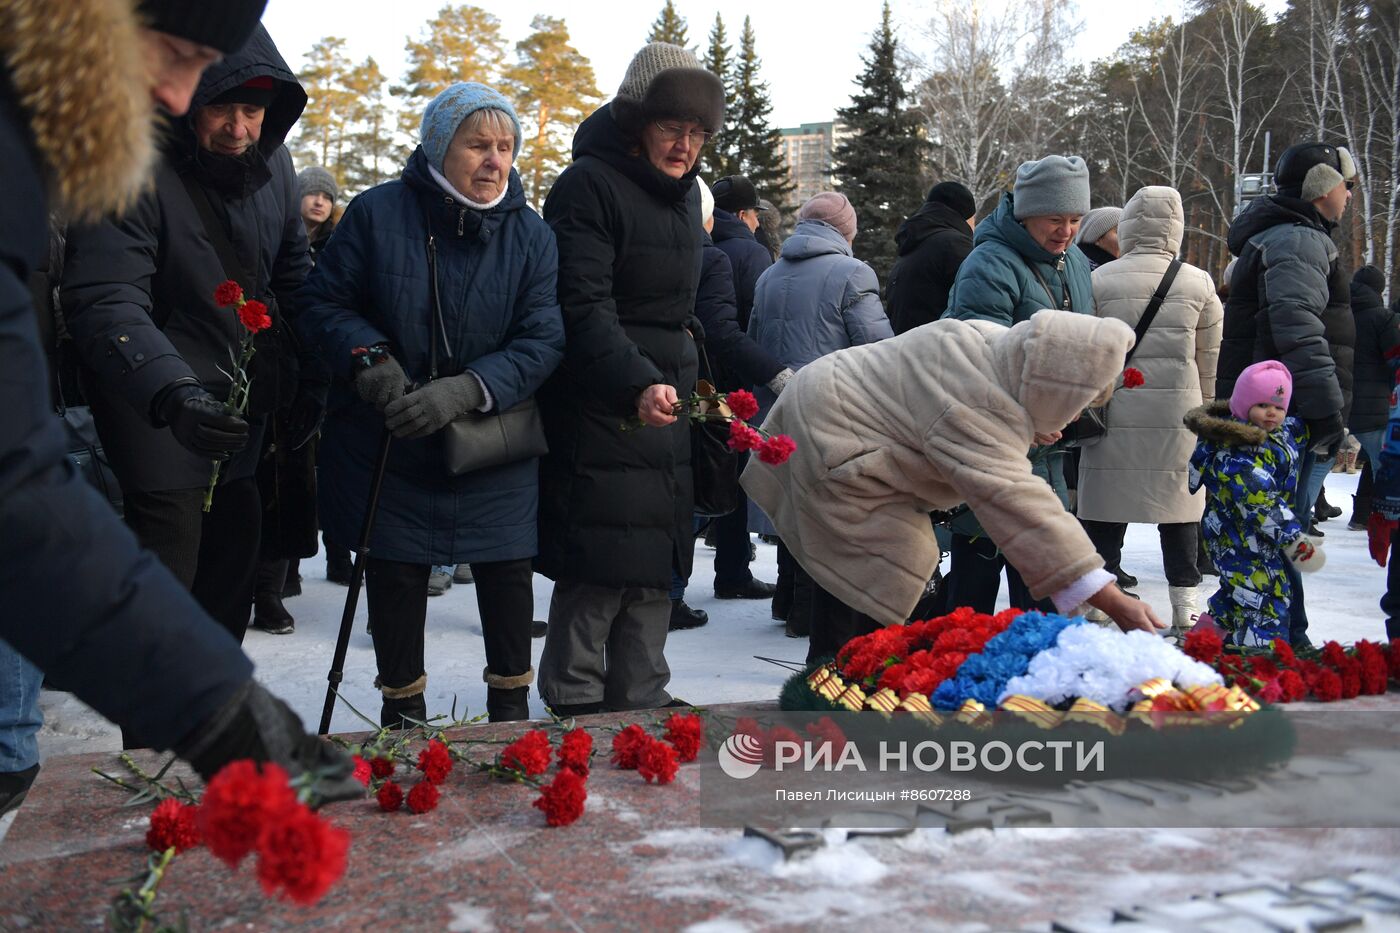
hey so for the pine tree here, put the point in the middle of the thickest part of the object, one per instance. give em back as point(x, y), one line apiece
point(372, 155)
point(669, 27)
point(554, 88)
point(756, 145)
point(720, 157)
point(462, 43)
point(325, 122)
point(879, 165)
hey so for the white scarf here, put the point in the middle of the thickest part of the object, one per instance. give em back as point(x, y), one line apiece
point(461, 198)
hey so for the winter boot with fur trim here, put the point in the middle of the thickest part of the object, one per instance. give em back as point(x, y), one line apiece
point(507, 698)
point(1183, 600)
point(403, 707)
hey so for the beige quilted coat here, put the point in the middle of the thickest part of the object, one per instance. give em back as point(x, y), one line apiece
point(937, 416)
point(1137, 471)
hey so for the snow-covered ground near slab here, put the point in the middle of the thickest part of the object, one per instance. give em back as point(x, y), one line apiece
point(718, 663)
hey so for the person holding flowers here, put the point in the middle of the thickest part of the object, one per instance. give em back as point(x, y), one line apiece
point(935, 417)
point(436, 299)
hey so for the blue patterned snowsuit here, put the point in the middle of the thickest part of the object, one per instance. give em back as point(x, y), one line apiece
point(1249, 478)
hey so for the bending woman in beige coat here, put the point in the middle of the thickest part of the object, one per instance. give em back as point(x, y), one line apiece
point(935, 417)
point(1137, 471)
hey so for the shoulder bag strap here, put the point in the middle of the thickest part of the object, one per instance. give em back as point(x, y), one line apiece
point(228, 256)
point(1153, 306)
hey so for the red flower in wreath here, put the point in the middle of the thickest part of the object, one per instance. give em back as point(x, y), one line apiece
point(1132, 378)
point(742, 404)
point(423, 797)
point(777, 449)
point(1205, 645)
point(228, 294)
point(562, 799)
point(435, 762)
point(528, 754)
point(658, 762)
point(686, 733)
point(390, 797)
point(173, 825)
point(302, 855)
point(254, 316)
point(742, 437)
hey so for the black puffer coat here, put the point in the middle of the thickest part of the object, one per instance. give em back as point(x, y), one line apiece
point(1377, 341)
point(1289, 301)
point(933, 242)
point(736, 360)
point(615, 505)
point(138, 291)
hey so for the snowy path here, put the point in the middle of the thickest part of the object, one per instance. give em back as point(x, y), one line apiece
point(713, 664)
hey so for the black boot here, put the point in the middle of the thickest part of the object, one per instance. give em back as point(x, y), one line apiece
point(508, 698)
point(338, 565)
point(404, 712)
point(292, 586)
point(14, 785)
point(1323, 509)
point(269, 615)
point(568, 710)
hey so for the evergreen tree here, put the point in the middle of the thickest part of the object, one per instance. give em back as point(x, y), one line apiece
point(462, 43)
point(372, 155)
point(554, 88)
point(669, 27)
point(325, 122)
point(720, 157)
point(756, 146)
point(879, 165)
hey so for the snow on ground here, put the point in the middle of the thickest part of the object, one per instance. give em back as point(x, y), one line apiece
point(714, 664)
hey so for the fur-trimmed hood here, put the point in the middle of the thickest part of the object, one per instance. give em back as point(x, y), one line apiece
point(1213, 422)
point(78, 71)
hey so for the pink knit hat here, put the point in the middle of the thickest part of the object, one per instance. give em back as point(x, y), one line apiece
point(1269, 381)
point(831, 208)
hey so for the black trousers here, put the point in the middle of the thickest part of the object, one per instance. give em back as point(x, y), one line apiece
point(974, 578)
point(214, 553)
point(1179, 545)
point(397, 594)
point(831, 623)
point(732, 543)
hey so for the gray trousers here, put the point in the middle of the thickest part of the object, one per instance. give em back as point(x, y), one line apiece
point(606, 645)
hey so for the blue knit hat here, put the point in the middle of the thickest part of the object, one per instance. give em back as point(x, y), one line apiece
point(447, 111)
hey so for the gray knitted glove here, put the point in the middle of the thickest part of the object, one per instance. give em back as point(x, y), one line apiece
point(778, 382)
point(420, 413)
point(381, 384)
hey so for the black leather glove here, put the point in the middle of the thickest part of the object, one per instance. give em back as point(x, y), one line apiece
point(255, 724)
point(200, 424)
point(381, 383)
point(304, 418)
point(1325, 434)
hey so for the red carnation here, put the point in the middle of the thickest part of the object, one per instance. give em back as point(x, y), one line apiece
point(1204, 644)
point(303, 855)
point(423, 797)
point(776, 449)
point(173, 825)
point(686, 733)
point(239, 803)
point(228, 294)
point(824, 731)
point(435, 762)
point(528, 754)
point(627, 747)
point(1132, 378)
point(1327, 687)
point(562, 799)
point(1293, 686)
point(254, 316)
point(576, 751)
point(390, 797)
point(743, 437)
point(1271, 692)
point(770, 743)
point(742, 404)
point(1392, 658)
point(362, 773)
point(657, 761)
point(381, 767)
point(1283, 651)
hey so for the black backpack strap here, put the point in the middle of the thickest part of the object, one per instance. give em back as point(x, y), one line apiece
point(1153, 306)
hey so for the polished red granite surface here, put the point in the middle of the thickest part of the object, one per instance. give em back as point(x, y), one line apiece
point(485, 860)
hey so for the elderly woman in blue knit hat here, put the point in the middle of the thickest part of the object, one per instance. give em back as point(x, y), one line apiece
point(436, 299)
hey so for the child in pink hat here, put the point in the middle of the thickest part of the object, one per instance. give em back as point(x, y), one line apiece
point(1247, 462)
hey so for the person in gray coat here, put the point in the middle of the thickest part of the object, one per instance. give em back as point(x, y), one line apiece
point(816, 299)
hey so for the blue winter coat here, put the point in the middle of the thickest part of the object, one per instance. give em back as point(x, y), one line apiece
point(747, 257)
point(816, 299)
point(998, 281)
point(1006, 278)
point(735, 360)
point(496, 277)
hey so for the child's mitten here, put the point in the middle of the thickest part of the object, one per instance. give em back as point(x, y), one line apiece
point(1305, 556)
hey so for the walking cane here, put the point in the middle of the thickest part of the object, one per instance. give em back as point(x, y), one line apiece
point(357, 575)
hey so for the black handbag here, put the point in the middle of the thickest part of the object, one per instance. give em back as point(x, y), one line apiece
point(1092, 424)
point(714, 465)
point(481, 440)
point(85, 452)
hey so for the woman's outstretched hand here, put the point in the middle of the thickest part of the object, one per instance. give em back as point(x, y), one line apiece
point(656, 405)
point(1129, 613)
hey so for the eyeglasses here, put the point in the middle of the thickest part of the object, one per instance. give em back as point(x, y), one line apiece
point(672, 132)
point(1351, 183)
